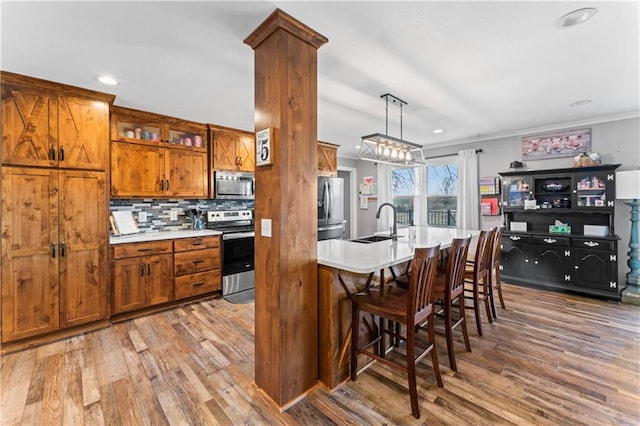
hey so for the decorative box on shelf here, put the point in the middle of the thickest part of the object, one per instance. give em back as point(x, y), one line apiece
point(518, 226)
point(560, 229)
point(596, 230)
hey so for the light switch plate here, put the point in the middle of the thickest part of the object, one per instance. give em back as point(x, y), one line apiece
point(265, 227)
point(173, 215)
point(142, 217)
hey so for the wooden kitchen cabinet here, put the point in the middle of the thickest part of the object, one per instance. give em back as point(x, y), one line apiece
point(327, 159)
point(54, 250)
point(197, 266)
point(142, 275)
point(53, 125)
point(166, 163)
point(232, 149)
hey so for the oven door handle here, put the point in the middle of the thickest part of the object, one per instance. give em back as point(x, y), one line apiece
point(238, 235)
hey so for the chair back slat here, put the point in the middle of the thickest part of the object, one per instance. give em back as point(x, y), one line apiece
point(483, 253)
point(497, 241)
point(425, 263)
point(456, 266)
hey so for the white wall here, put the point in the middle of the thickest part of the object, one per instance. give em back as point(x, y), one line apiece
point(617, 142)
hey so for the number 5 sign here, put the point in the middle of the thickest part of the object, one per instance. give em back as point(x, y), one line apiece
point(263, 147)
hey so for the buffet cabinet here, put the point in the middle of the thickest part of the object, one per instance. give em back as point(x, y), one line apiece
point(560, 229)
point(54, 207)
point(155, 156)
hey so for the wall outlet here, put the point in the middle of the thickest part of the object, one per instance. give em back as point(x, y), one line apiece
point(265, 227)
point(142, 217)
point(173, 215)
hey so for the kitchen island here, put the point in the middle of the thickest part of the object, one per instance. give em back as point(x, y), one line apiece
point(346, 267)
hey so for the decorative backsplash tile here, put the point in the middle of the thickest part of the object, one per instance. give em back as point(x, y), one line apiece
point(159, 211)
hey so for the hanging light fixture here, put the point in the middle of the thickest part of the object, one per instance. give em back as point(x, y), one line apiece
point(388, 149)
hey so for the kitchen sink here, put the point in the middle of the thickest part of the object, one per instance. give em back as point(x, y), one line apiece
point(371, 239)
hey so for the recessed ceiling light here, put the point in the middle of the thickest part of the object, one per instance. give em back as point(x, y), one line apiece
point(108, 80)
point(436, 131)
point(576, 17)
point(357, 146)
point(580, 102)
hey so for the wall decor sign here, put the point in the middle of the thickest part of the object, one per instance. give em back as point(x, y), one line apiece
point(566, 143)
point(263, 147)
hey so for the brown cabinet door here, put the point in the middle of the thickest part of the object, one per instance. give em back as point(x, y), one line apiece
point(159, 279)
point(29, 119)
point(137, 170)
point(224, 150)
point(187, 173)
point(83, 129)
point(29, 256)
point(83, 247)
point(246, 152)
point(327, 160)
point(129, 277)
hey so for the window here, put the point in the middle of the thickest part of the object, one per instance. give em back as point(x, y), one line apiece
point(426, 194)
point(442, 194)
point(403, 190)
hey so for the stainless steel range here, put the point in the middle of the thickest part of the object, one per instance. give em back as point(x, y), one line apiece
point(237, 229)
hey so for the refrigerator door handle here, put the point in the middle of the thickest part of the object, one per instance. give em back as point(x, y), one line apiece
point(329, 201)
point(330, 228)
point(325, 200)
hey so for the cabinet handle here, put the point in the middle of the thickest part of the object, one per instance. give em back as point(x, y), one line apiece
point(52, 153)
point(161, 184)
point(526, 261)
point(550, 240)
point(62, 153)
point(142, 269)
point(148, 269)
point(197, 261)
point(535, 261)
point(146, 249)
point(167, 184)
point(53, 250)
point(201, 283)
point(197, 244)
point(63, 249)
point(514, 237)
point(591, 244)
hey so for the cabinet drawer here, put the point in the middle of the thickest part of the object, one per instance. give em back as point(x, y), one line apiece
point(195, 284)
point(121, 251)
point(196, 243)
point(189, 262)
point(550, 240)
point(593, 244)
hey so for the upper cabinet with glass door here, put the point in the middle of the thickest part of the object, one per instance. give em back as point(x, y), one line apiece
point(129, 125)
point(594, 190)
point(516, 191)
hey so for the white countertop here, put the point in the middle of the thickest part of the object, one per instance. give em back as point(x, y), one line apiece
point(365, 258)
point(157, 236)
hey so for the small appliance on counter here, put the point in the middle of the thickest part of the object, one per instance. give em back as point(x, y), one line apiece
point(196, 218)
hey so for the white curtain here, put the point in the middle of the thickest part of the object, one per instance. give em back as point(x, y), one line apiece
point(384, 196)
point(468, 209)
point(419, 198)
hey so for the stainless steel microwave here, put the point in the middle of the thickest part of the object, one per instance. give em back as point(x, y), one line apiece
point(234, 185)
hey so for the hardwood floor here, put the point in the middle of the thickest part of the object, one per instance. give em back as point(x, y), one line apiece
point(549, 359)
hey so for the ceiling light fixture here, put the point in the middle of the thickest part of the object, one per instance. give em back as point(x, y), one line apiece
point(580, 102)
point(108, 80)
point(438, 131)
point(387, 149)
point(574, 18)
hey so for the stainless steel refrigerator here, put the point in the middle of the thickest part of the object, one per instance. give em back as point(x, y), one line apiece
point(330, 208)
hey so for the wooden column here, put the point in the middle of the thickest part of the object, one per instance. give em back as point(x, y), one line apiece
point(286, 358)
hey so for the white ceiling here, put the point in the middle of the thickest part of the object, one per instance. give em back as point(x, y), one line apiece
point(476, 69)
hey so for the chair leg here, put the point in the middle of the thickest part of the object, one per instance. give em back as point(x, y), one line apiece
point(449, 335)
point(476, 308)
point(487, 298)
point(463, 324)
point(411, 371)
point(434, 353)
point(355, 326)
point(499, 287)
point(492, 299)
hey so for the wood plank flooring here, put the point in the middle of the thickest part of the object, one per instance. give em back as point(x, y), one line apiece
point(550, 359)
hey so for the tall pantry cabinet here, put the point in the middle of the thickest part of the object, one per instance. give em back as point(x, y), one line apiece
point(55, 141)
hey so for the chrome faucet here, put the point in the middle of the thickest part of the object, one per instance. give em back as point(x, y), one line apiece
point(394, 232)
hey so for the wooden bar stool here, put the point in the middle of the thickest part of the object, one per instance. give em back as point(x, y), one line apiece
point(410, 307)
point(448, 289)
point(477, 278)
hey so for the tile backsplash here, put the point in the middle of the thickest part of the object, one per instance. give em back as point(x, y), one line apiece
point(158, 212)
